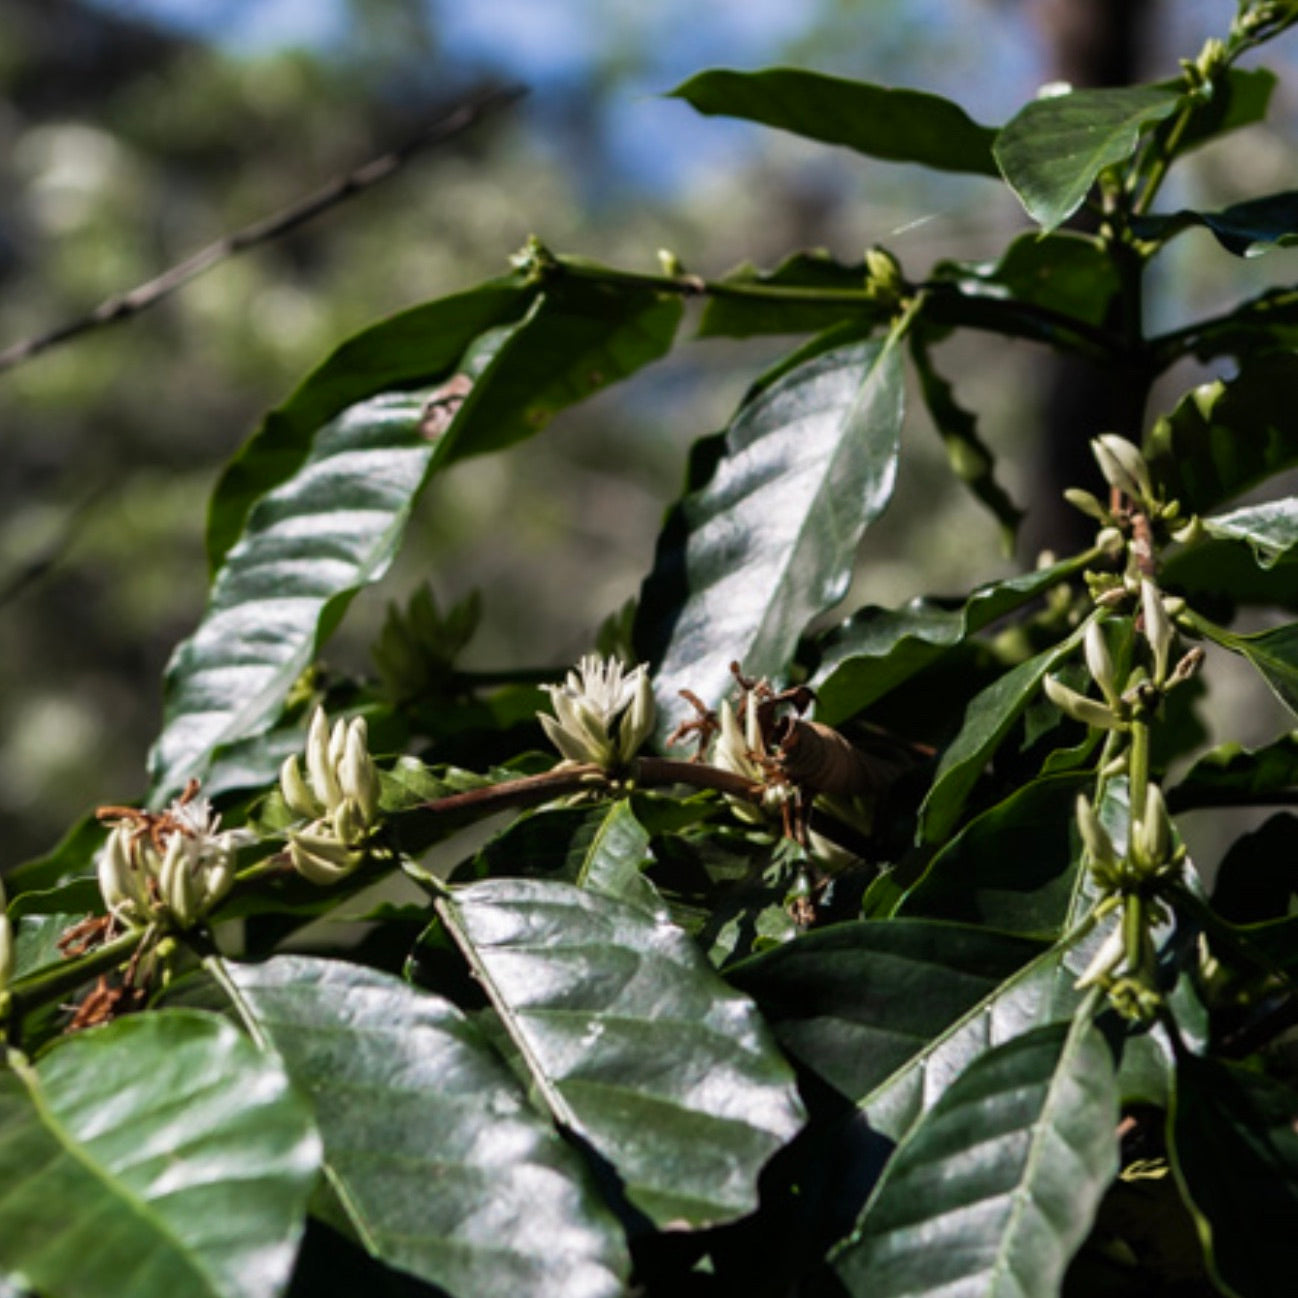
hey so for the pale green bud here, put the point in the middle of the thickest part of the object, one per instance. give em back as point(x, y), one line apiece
point(1107, 957)
point(1099, 662)
point(320, 857)
point(177, 884)
point(319, 765)
point(1155, 828)
point(1095, 838)
point(638, 721)
point(121, 880)
point(1158, 628)
point(357, 775)
point(349, 822)
point(297, 792)
point(1123, 466)
point(1072, 704)
point(1087, 503)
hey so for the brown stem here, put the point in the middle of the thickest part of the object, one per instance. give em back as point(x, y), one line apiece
point(124, 305)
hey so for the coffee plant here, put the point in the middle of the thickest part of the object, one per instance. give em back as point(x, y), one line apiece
point(857, 958)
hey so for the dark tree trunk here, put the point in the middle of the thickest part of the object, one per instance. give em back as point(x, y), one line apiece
point(1090, 43)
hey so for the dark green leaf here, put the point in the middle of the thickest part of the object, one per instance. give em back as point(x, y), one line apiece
point(1258, 877)
point(859, 1002)
point(1219, 576)
point(71, 858)
point(987, 721)
point(1227, 436)
point(737, 316)
point(1231, 774)
point(579, 337)
point(1013, 867)
point(412, 349)
point(632, 1042)
point(336, 521)
point(1267, 323)
point(876, 649)
point(1245, 229)
point(969, 456)
point(997, 1186)
point(1275, 655)
point(1235, 1151)
point(1271, 529)
point(896, 125)
point(161, 1155)
point(746, 561)
point(603, 848)
point(1053, 149)
point(1065, 272)
point(36, 941)
point(440, 1164)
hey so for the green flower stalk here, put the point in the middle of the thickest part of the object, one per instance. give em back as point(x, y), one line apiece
point(602, 713)
point(338, 796)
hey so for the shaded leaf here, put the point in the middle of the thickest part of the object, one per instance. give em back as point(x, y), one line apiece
point(1013, 867)
point(1274, 653)
point(1239, 98)
point(987, 721)
point(857, 1002)
point(1246, 229)
point(877, 649)
point(1231, 775)
point(632, 1042)
point(1217, 576)
point(1053, 149)
point(1227, 435)
point(160, 1155)
point(1258, 877)
point(36, 941)
point(1235, 1151)
point(736, 316)
point(970, 457)
point(896, 125)
point(748, 559)
point(997, 1186)
point(440, 1164)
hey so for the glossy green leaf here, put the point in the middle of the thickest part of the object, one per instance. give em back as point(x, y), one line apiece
point(1270, 529)
point(730, 315)
point(896, 125)
point(70, 859)
point(603, 848)
point(440, 1164)
point(857, 1002)
point(632, 1042)
point(1232, 775)
point(36, 941)
point(337, 518)
point(161, 1155)
point(412, 349)
point(970, 458)
point(769, 541)
point(997, 1186)
point(1053, 149)
point(1235, 1151)
point(1012, 867)
point(987, 720)
point(877, 649)
point(1228, 435)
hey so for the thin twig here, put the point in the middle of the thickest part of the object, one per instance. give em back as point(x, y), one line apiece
point(124, 305)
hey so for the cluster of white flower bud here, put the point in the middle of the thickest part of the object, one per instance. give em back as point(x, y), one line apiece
point(602, 713)
point(338, 796)
point(169, 867)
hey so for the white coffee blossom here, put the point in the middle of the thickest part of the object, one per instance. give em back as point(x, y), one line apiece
point(602, 713)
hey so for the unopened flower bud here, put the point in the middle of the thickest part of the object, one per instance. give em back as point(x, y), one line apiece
point(297, 792)
point(1155, 828)
point(357, 776)
point(1099, 662)
point(1090, 712)
point(1086, 502)
point(1189, 531)
point(1123, 466)
point(1158, 628)
point(319, 764)
point(1095, 838)
point(321, 858)
point(1107, 957)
